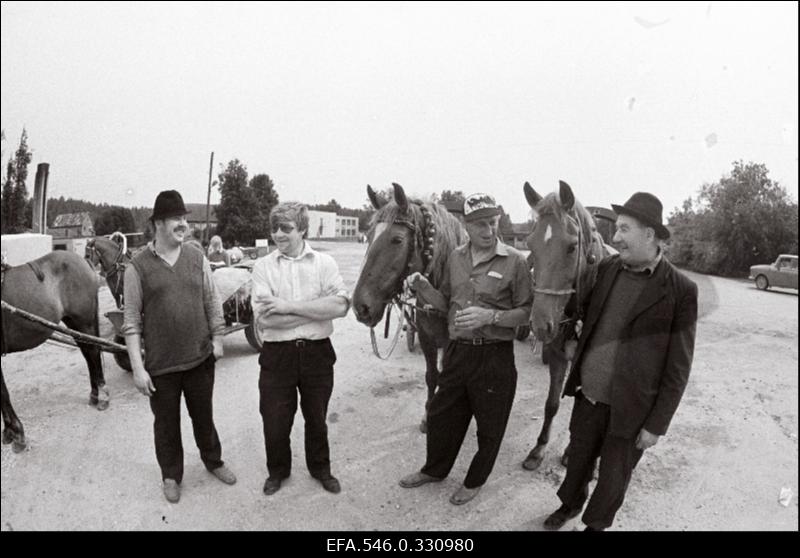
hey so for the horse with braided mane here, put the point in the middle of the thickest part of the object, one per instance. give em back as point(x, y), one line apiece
point(407, 236)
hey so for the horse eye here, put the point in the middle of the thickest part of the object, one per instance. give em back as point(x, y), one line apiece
point(397, 240)
point(572, 248)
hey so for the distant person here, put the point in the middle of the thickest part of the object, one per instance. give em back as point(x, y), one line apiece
point(236, 254)
point(296, 294)
point(180, 317)
point(631, 365)
point(216, 253)
point(486, 292)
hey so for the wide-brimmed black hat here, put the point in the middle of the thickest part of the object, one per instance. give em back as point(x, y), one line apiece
point(647, 209)
point(169, 203)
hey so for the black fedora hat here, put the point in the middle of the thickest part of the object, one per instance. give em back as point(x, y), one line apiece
point(169, 203)
point(646, 208)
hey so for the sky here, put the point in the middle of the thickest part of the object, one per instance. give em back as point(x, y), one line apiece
point(126, 99)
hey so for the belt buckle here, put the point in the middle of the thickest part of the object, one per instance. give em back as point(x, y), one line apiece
point(300, 343)
point(477, 341)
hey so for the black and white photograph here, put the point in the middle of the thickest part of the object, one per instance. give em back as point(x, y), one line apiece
point(396, 276)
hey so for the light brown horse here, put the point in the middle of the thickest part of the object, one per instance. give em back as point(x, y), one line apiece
point(407, 236)
point(566, 249)
point(59, 286)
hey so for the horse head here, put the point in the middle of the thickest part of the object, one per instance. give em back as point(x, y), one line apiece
point(112, 255)
point(396, 244)
point(564, 250)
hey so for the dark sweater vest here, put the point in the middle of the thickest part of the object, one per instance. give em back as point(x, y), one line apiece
point(597, 366)
point(174, 324)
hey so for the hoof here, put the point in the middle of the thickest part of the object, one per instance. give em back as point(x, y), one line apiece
point(8, 436)
point(102, 405)
point(532, 462)
point(18, 446)
point(423, 426)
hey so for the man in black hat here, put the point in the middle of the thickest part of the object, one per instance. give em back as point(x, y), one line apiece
point(171, 300)
point(486, 292)
point(631, 365)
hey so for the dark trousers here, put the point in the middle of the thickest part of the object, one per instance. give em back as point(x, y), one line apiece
point(197, 387)
point(477, 381)
point(589, 439)
point(286, 369)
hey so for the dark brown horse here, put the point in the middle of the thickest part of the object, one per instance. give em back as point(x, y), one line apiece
point(565, 249)
point(407, 236)
point(112, 255)
point(57, 287)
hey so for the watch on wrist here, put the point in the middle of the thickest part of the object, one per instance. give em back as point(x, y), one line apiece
point(496, 317)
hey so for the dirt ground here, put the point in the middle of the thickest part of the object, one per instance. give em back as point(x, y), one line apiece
point(730, 450)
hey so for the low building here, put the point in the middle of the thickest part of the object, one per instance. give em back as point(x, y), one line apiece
point(72, 225)
point(197, 217)
point(346, 227)
point(321, 224)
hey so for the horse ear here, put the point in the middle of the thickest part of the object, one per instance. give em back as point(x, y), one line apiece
point(377, 203)
point(531, 195)
point(566, 195)
point(400, 196)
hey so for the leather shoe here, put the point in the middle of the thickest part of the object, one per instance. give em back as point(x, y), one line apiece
point(331, 484)
point(558, 518)
point(464, 495)
point(224, 474)
point(172, 491)
point(272, 485)
point(417, 479)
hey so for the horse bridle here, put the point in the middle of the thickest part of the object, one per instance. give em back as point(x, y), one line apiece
point(575, 291)
point(117, 267)
point(423, 242)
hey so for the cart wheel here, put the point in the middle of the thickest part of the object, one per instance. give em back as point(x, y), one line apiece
point(122, 359)
point(252, 337)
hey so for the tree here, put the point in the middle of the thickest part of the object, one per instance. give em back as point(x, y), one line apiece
point(6, 215)
point(265, 199)
point(744, 219)
point(113, 219)
point(15, 194)
point(243, 211)
point(452, 195)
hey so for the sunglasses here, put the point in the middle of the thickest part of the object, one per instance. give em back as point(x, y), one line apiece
point(284, 228)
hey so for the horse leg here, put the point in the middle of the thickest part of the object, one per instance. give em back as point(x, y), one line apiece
point(99, 395)
point(12, 431)
point(431, 375)
point(558, 367)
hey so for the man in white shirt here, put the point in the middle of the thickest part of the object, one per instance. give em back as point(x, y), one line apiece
point(297, 292)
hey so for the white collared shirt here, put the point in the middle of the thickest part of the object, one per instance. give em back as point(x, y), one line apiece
point(309, 276)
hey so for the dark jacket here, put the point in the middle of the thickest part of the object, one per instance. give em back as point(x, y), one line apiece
point(655, 351)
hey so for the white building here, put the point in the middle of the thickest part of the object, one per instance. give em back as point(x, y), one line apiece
point(346, 227)
point(321, 224)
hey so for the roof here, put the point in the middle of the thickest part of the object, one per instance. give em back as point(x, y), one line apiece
point(453, 206)
point(71, 220)
point(198, 213)
point(602, 212)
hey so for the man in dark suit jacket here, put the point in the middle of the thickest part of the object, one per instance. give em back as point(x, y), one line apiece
point(631, 365)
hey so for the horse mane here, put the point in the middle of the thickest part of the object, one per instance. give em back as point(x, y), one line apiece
point(449, 232)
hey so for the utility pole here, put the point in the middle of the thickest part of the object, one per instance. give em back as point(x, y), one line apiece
point(208, 198)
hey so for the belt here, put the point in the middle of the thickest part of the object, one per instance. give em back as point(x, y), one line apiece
point(300, 343)
point(480, 341)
